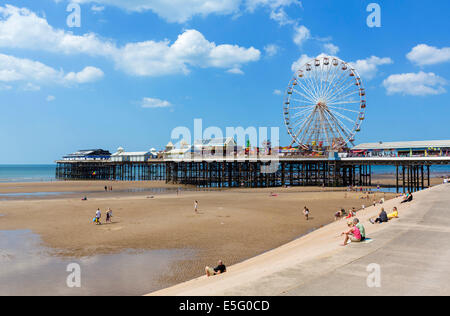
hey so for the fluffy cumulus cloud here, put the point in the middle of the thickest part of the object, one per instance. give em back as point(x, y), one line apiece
point(424, 55)
point(153, 103)
point(368, 68)
point(301, 35)
point(88, 74)
point(191, 49)
point(13, 69)
point(21, 28)
point(415, 84)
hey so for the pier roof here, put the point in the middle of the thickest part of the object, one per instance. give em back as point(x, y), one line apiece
point(404, 145)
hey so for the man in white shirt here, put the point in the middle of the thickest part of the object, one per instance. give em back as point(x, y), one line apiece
point(98, 215)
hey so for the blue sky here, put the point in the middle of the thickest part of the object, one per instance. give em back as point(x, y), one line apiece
point(137, 69)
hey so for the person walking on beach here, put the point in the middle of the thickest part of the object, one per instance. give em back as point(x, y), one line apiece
point(306, 213)
point(98, 216)
point(106, 188)
point(196, 207)
point(109, 216)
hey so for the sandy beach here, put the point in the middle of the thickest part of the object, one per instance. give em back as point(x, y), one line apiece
point(232, 225)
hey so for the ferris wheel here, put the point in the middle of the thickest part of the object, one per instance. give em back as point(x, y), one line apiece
point(325, 104)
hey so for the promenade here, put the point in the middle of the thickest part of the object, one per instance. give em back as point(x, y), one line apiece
point(413, 253)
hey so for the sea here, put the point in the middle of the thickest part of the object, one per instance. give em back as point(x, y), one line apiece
point(27, 173)
point(46, 173)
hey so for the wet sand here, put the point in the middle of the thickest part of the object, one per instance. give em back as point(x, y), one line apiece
point(388, 180)
point(232, 225)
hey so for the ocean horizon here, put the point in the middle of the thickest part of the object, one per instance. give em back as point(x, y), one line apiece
point(27, 173)
point(47, 172)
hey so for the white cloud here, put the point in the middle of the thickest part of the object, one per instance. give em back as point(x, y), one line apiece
point(152, 103)
point(277, 92)
point(299, 63)
point(331, 49)
point(301, 35)
point(14, 69)
point(21, 28)
point(416, 84)
point(252, 5)
point(271, 50)
point(88, 74)
point(191, 49)
point(179, 11)
point(368, 68)
point(50, 98)
point(281, 17)
point(424, 55)
point(277, 7)
point(235, 71)
point(17, 69)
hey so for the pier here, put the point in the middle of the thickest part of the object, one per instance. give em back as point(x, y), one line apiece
point(412, 173)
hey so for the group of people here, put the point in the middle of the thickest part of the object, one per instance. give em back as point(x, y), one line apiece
point(98, 216)
point(384, 217)
point(407, 198)
point(357, 232)
point(344, 214)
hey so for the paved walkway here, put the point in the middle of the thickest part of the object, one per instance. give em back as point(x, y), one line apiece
point(413, 254)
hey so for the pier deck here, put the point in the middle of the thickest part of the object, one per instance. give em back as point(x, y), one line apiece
point(412, 173)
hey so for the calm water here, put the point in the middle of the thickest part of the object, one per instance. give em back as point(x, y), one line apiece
point(28, 268)
point(38, 173)
point(27, 173)
point(435, 170)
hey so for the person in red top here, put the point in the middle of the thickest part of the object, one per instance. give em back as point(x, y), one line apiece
point(351, 213)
